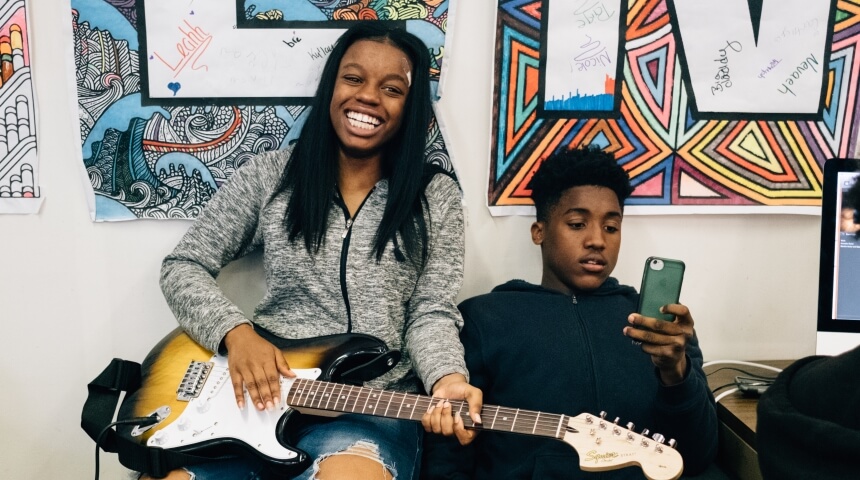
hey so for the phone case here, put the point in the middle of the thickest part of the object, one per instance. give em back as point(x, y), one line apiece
point(661, 285)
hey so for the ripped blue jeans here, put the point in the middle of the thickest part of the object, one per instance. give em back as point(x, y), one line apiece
point(395, 444)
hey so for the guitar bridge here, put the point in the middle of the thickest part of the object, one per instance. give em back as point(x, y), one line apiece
point(193, 381)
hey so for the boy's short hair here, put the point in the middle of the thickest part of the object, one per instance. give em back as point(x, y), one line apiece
point(575, 167)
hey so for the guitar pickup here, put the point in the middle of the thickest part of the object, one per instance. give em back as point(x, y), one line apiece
point(193, 380)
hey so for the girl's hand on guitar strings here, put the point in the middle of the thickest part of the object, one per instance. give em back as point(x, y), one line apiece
point(440, 418)
point(257, 365)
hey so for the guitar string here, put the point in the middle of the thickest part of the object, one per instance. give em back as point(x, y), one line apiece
point(547, 423)
point(553, 425)
point(533, 421)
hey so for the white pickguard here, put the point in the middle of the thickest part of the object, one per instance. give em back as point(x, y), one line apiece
point(214, 415)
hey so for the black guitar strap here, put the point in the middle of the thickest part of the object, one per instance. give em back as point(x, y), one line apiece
point(97, 416)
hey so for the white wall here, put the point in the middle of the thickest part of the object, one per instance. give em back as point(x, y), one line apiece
point(74, 294)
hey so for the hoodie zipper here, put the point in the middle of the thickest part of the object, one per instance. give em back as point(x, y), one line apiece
point(587, 346)
point(344, 252)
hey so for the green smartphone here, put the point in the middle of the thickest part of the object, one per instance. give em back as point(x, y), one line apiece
point(661, 285)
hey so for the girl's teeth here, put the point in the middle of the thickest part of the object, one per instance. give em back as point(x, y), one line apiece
point(362, 125)
point(360, 120)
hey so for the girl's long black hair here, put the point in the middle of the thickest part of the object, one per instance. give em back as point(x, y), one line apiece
point(312, 171)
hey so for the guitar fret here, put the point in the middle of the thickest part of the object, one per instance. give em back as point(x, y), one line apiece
point(537, 419)
point(307, 392)
point(376, 397)
point(558, 429)
point(401, 405)
point(414, 404)
point(322, 394)
point(367, 399)
point(330, 388)
point(328, 399)
point(460, 414)
point(513, 424)
point(347, 398)
point(495, 416)
point(297, 392)
point(390, 398)
point(340, 396)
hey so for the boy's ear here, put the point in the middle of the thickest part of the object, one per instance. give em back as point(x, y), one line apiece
point(537, 233)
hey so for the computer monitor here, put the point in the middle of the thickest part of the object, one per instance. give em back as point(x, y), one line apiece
point(839, 270)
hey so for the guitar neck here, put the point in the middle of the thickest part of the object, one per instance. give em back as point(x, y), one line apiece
point(335, 397)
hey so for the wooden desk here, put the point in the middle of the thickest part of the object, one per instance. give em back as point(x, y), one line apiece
point(737, 414)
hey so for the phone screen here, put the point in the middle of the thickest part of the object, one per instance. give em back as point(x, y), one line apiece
point(661, 285)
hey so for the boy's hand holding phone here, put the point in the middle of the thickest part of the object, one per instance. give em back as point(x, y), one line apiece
point(662, 325)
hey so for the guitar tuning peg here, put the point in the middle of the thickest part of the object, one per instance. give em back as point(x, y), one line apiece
point(602, 414)
point(645, 433)
point(673, 443)
point(615, 429)
point(630, 426)
point(659, 438)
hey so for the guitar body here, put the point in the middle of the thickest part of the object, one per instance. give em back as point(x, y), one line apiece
point(189, 389)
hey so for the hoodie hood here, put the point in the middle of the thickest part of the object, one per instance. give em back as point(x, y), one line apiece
point(609, 287)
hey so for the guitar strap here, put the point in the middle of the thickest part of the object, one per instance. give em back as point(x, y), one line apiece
point(96, 419)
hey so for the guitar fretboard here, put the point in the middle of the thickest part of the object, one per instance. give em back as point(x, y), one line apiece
point(336, 397)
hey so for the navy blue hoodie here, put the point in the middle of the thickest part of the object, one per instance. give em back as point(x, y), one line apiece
point(532, 348)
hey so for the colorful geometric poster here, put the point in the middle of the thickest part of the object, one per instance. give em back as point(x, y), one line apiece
point(712, 106)
point(19, 167)
point(174, 96)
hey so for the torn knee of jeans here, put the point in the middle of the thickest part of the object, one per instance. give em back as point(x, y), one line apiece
point(361, 448)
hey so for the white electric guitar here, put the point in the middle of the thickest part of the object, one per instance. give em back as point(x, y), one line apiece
point(189, 390)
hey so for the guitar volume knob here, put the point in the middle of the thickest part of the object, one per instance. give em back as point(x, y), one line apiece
point(203, 406)
point(160, 438)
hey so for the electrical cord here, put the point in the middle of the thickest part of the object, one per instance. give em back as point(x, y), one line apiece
point(753, 384)
point(140, 421)
point(727, 385)
point(740, 362)
point(748, 374)
point(724, 394)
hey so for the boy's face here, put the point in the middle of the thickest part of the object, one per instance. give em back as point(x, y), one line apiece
point(580, 239)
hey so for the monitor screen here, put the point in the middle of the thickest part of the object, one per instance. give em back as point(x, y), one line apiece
point(839, 277)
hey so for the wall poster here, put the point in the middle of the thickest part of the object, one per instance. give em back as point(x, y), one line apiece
point(174, 96)
point(19, 166)
point(712, 106)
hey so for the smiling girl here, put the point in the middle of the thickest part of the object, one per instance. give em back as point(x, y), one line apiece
point(359, 234)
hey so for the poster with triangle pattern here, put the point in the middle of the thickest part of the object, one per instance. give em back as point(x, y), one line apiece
point(712, 106)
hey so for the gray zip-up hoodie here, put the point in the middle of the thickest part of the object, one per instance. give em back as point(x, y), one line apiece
point(339, 287)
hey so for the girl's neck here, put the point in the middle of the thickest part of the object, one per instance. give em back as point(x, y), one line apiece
point(356, 178)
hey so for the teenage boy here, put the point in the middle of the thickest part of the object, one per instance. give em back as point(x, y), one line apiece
point(573, 344)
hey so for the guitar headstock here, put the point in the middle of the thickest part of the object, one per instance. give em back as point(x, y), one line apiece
point(605, 445)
